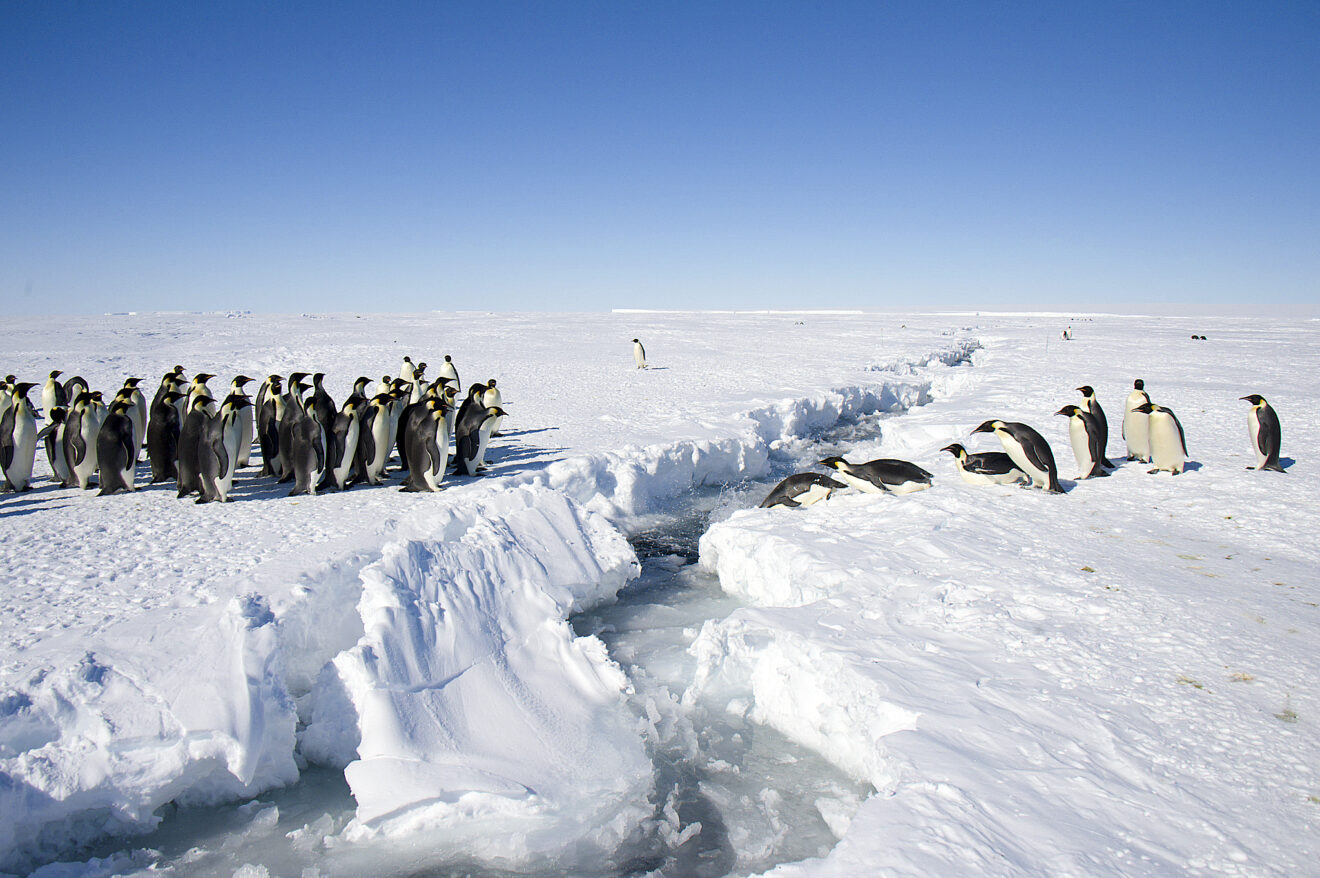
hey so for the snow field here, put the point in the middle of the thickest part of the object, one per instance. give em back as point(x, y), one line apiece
point(1119, 680)
point(167, 653)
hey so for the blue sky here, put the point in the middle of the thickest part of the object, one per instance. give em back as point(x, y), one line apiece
point(579, 156)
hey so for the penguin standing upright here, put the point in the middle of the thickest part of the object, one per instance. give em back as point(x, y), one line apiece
point(985, 467)
point(342, 443)
point(137, 413)
point(639, 354)
point(53, 394)
point(307, 455)
point(1084, 436)
point(1028, 450)
point(217, 457)
point(163, 437)
point(491, 399)
point(293, 411)
point(193, 432)
point(448, 370)
point(428, 448)
point(1136, 424)
point(269, 411)
point(1091, 405)
point(18, 439)
point(116, 448)
point(53, 435)
point(473, 437)
point(1266, 435)
point(884, 475)
point(247, 425)
point(80, 429)
point(1168, 443)
point(406, 370)
point(373, 440)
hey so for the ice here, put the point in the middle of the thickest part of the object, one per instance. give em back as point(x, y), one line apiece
point(1019, 681)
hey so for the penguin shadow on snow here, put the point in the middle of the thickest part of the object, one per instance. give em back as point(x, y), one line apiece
point(39, 499)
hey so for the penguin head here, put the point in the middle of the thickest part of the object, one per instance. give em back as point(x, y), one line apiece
point(495, 412)
point(1253, 398)
point(202, 377)
point(635, 341)
point(956, 450)
point(178, 370)
point(96, 396)
point(419, 369)
point(1086, 390)
point(989, 426)
point(834, 463)
point(1069, 411)
point(21, 388)
point(490, 383)
point(448, 359)
point(173, 396)
point(57, 414)
point(131, 383)
point(1145, 408)
point(407, 359)
point(120, 407)
point(317, 379)
point(55, 373)
point(296, 377)
point(240, 380)
point(1138, 384)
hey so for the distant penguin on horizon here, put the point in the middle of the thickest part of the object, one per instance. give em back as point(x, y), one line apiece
point(1265, 433)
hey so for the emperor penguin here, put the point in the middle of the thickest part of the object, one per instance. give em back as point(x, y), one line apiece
point(1028, 450)
point(80, 429)
point(342, 443)
point(1091, 405)
point(884, 475)
point(473, 437)
point(53, 394)
point(247, 421)
point(289, 418)
point(373, 440)
point(198, 389)
point(639, 354)
point(322, 406)
point(428, 449)
point(137, 414)
point(384, 385)
point(490, 399)
point(193, 432)
point(217, 457)
point(418, 387)
point(307, 456)
point(116, 449)
point(985, 467)
point(1168, 443)
point(801, 489)
point(448, 370)
point(406, 370)
point(1266, 436)
point(53, 436)
point(163, 437)
point(1136, 424)
point(268, 424)
point(75, 386)
point(1084, 436)
point(18, 439)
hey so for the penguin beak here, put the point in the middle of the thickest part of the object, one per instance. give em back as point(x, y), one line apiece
point(986, 427)
point(952, 449)
point(1063, 411)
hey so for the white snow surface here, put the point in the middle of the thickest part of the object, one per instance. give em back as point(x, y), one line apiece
point(1118, 680)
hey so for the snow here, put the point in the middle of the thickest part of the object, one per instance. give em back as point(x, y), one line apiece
point(1117, 680)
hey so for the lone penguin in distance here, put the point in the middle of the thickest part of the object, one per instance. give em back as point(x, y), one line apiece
point(639, 354)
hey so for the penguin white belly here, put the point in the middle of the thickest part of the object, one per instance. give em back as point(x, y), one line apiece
point(225, 481)
point(59, 464)
point(432, 475)
point(1039, 478)
point(978, 479)
point(813, 495)
point(380, 436)
point(1253, 433)
point(91, 427)
point(1081, 446)
point(860, 484)
point(908, 487)
point(246, 432)
point(344, 464)
point(19, 471)
point(1166, 451)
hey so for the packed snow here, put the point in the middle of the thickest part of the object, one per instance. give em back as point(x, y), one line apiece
point(1118, 680)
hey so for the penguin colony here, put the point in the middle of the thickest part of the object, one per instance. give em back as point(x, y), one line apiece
point(199, 442)
point(1152, 432)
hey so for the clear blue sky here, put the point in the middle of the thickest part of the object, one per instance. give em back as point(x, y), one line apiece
point(290, 156)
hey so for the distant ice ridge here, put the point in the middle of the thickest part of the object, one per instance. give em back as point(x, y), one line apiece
point(433, 662)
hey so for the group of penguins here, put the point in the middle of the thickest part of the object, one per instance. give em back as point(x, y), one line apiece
point(1152, 432)
point(200, 442)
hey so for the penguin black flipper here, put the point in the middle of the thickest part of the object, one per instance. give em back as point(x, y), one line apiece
point(1038, 453)
point(1269, 438)
point(7, 444)
point(465, 449)
point(1182, 437)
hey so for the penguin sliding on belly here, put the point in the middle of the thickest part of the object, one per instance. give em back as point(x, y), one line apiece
point(884, 475)
point(986, 467)
point(1168, 443)
point(1085, 436)
point(802, 489)
point(1028, 450)
point(1266, 436)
